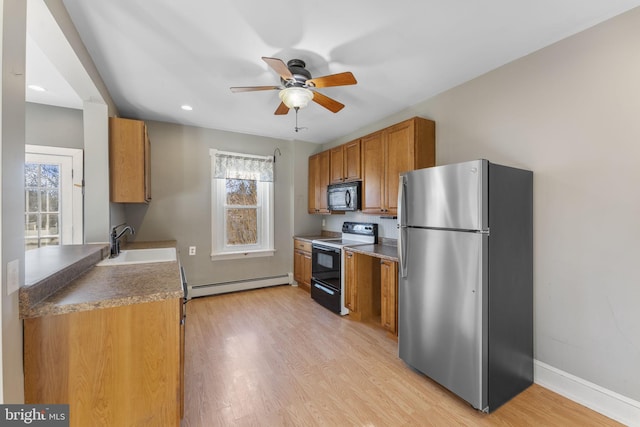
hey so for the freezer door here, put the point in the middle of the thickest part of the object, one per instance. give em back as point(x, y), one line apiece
point(450, 196)
point(442, 310)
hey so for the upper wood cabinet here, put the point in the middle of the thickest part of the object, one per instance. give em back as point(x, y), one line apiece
point(318, 180)
point(389, 152)
point(129, 161)
point(346, 162)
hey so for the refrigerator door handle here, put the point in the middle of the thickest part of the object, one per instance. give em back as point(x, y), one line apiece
point(402, 227)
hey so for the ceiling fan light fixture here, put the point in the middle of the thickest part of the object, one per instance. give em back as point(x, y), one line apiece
point(296, 97)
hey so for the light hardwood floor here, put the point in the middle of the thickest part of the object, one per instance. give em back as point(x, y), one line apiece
point(273, 357)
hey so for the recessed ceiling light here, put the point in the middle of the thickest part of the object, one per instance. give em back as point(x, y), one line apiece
point(37, 88)
point(187, 107)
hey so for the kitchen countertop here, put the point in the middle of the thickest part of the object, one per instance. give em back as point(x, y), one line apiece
point(384, 250)
point(110, 286)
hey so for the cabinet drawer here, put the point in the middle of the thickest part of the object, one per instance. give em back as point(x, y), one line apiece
point(302, 245)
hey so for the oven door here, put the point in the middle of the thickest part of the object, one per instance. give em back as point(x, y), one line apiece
point(325, 265)
point(325, 277)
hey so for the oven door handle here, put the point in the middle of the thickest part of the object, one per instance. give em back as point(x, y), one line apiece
point(324, 289)
point(325, 248)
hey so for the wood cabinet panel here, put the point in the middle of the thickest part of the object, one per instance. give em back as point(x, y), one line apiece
point(346, 162)
point(302, 263)
point(306, 269)
point(113, 366)
point(400, 158)
point(129, 161)
point(362, 292)
point(373, 173)
point(337, 165)
point(319, 172)
point(389, 296)
point(351, 284)
point(352, 161)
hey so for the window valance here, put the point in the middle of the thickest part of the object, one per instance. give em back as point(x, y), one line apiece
point(242, 166)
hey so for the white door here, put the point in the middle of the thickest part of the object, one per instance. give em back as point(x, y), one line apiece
point(53, 196)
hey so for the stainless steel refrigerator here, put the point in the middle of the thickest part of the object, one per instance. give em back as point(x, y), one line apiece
point(465, 308)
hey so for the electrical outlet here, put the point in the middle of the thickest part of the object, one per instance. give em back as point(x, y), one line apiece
point(324, 222)
point(192, 250)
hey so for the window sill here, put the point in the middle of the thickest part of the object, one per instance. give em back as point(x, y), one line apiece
point(222, 256)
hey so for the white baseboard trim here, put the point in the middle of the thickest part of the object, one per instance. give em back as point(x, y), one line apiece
point(239, 285)
point(600, 399)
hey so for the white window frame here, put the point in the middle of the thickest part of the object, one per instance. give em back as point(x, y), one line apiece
point(265, 246)
point(71, 187)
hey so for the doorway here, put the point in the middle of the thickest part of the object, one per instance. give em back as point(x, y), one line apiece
point(53, 196)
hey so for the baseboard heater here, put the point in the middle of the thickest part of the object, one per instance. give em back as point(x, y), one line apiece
point(238, 285)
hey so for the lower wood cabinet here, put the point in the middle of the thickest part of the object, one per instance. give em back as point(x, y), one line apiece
point(362, 289)
point(389, 295)
point(371, 289)
point(114, 366)
point(302, 263)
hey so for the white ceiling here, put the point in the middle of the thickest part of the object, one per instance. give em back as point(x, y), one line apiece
point(156, 56)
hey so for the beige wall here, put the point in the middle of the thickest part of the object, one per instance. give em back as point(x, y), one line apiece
point(53, 126)
point(570, 113)
point(181, 204)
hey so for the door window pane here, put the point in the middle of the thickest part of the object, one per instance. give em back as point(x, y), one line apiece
point(42, 205)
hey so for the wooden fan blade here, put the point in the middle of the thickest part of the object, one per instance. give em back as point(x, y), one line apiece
point(253, 88)
point(328, 103)
point(341, 79)
point(282, 109)
point(279, 67)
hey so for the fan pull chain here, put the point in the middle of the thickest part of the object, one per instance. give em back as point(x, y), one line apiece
point(298, 128)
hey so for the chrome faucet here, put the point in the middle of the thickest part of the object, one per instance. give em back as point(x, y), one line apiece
point(115, 238)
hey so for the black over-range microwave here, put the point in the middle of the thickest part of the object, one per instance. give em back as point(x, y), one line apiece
point(345, 196)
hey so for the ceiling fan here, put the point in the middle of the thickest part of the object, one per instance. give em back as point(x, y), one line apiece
point(296, 84)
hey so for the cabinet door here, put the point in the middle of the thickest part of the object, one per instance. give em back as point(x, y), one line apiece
point(311, 186)
point(337, 163)
point(318, 181)
point(373, 173)
point(352, 161)
point(129, 161)
point(298, 268)
point(147, 166)
point(400, 155)
point(324, 164)
point(351, 288)
point(389, 291)
point(88, 358)
point(306, 269)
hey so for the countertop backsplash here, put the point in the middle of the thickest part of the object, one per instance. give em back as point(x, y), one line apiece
point(387, 227)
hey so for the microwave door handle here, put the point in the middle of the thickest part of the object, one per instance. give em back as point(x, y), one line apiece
point(347, 198)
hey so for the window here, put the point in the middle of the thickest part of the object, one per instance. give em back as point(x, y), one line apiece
point(241, 205)
point(53, 196)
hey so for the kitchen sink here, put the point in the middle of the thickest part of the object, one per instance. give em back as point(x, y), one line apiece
point(141, 256)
